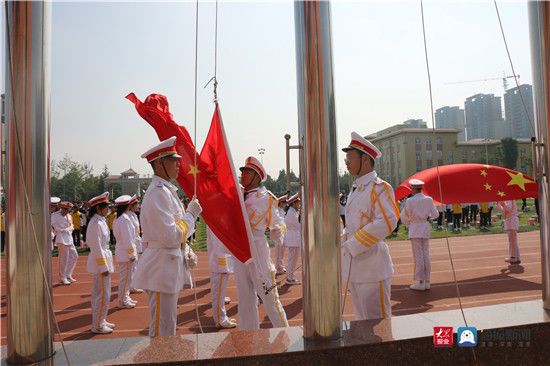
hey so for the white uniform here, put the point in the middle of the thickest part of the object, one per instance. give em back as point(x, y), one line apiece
point(280, 249)
point(161, 269)
point(414, 215)
point(135, 221)
point(262, 213)
point(371, 215)
point(100, 260)
point(292, 241)
point(511, 224)
point(221, 266)
point(63, 226)
point(125, 255)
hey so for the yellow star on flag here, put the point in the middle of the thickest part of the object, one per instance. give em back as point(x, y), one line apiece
point(519, 180)
point(487, 166)
point(487, 187)
point(501, 194)
point(484, 173)
point(193, 170)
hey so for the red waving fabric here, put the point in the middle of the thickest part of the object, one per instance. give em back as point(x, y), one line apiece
point(471, 183)
point(217, 187)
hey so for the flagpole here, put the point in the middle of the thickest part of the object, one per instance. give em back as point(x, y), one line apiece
point(539, 29)
point(318, 172)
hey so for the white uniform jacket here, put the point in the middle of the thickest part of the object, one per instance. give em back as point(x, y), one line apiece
point(371, 215)
point(293, 227)
point(100, 258)
point(63, 226)
point(510, 212)
point(261, 207)
point(124, 232)
point(135, 222)
point(415, 214)
point(165, 227)
point(220, 259)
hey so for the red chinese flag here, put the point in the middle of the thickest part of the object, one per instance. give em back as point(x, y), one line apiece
point(471, 183)
point(217, 188)
point(219, 192)
point(156, 112)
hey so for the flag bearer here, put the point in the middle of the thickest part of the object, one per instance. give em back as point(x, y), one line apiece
point(371, 215)
point(257, 277)
point(293, 238)
point(221, 266)
point(418, 209)
point(62, 223)
point(125, 251)
point(100, 263)
point(161, 270)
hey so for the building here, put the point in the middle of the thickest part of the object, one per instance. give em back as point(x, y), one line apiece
point(517, 123)
point(131, 183)
point(406, 151)
point(416, 123)
point(451, 117)
point(483, 117)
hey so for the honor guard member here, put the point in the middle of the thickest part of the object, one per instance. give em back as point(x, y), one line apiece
point(221, 266)
point(132, 214)
point(511, 224)
point(293, 238)
point(100, 263)
point(257, 277)
point(125, 251)
point(162, 269)
point(280, 249)
point(62, 223)
point(418, 209)
point(371, 215)
point(54, 202)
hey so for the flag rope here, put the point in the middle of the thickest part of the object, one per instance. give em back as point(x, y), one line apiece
point(437, 169)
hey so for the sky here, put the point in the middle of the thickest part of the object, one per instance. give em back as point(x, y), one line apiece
point(103, 51)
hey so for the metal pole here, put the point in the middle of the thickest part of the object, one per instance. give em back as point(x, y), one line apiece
point(29, 323)
point(318, 171)
point(539, 29)
point(287, 138)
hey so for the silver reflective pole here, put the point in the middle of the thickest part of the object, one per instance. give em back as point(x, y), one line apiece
point(539, 29)
point(30, 329)
point(318, 171)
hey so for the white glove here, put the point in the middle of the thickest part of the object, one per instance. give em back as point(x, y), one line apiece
point(194, 208)
point(190, 257)
point(346, 249)
point(276, 234)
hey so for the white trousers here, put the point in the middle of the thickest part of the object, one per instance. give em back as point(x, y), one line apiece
point(421, 258)
point(513, 247)
point(249, 287)
point(101, 296)
point(125, 277)
point(67, 256)
point(163, 311)
point(279, 256)
point(293, 262)
point(371, 300)
point(218, 284)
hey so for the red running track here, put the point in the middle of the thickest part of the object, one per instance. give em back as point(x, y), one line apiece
point(484, 279)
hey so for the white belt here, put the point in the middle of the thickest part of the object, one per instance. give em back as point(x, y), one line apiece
point(158, 245)
point(419, 222)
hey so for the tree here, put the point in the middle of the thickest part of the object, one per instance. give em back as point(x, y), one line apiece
point(509, 152)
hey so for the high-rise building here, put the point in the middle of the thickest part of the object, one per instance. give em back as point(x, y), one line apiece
point(451, 117)
point(517, 122)
point(483, 117)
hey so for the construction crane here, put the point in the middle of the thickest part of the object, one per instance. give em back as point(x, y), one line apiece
point(504, 81)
